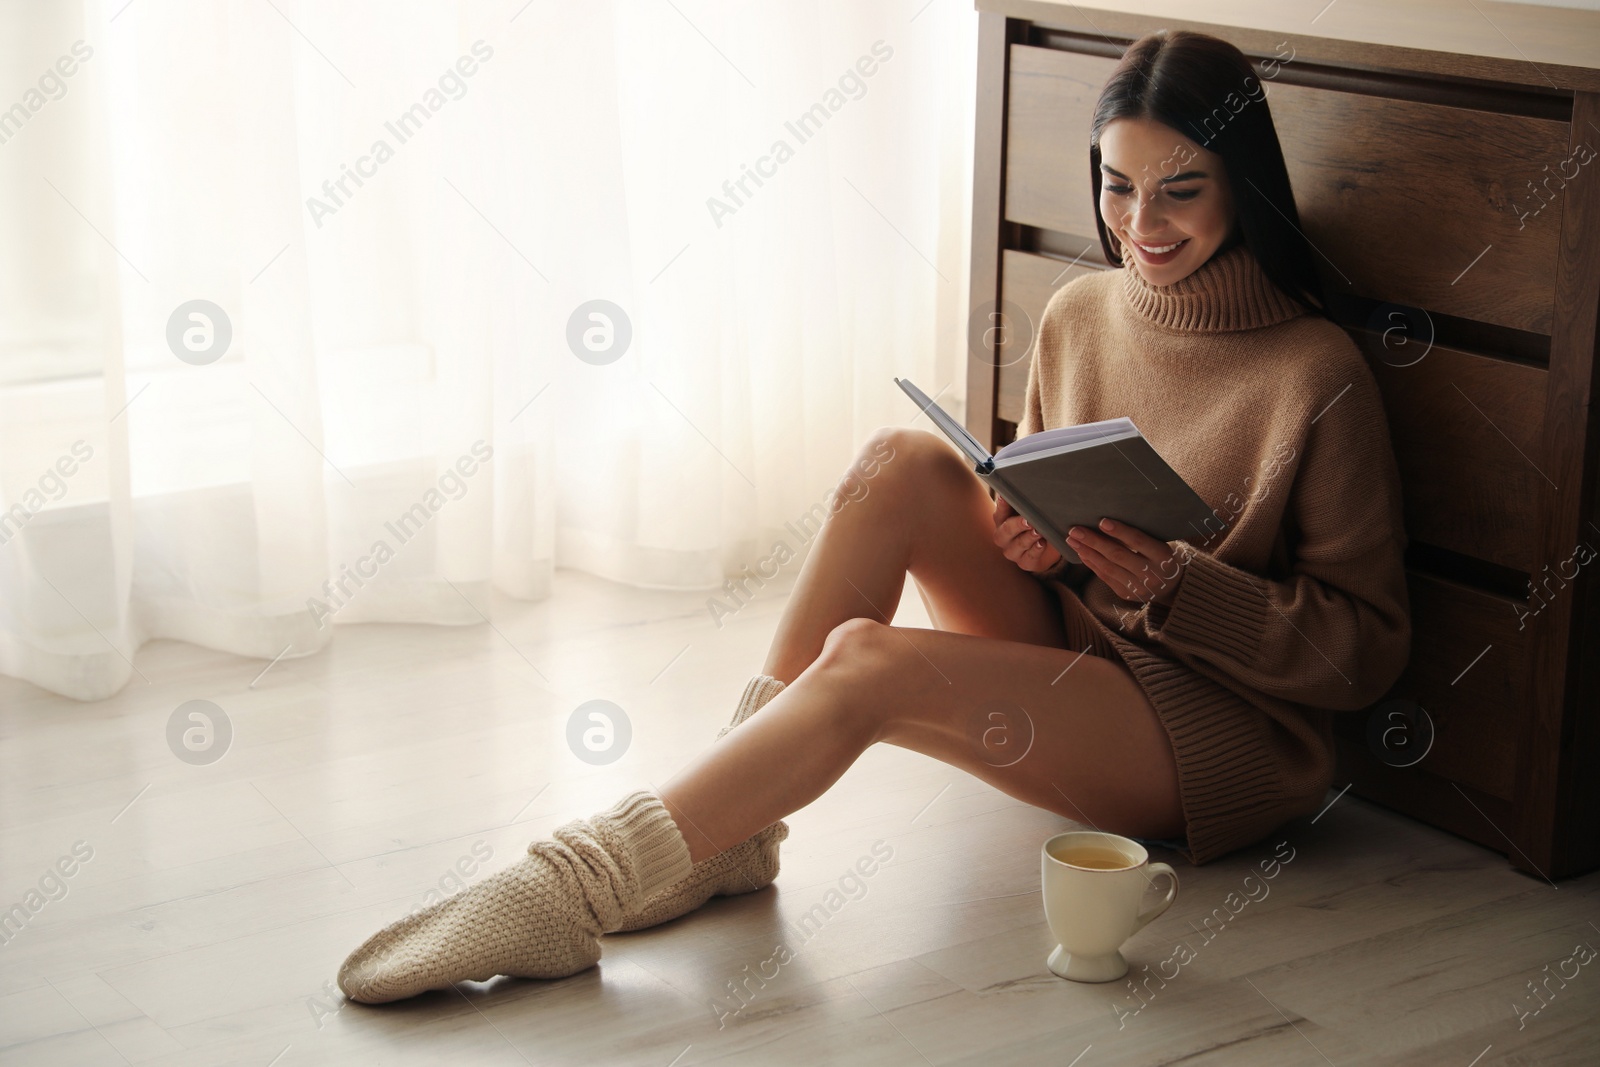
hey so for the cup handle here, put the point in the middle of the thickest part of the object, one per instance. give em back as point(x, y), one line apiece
point(1161, 905)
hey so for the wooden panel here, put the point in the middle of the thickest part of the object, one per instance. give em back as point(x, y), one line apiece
point(1047, 165)
point(1426, 205)
point(988, 168)
point(1560, 820)
point(1415, 190)
point(1027, 282)
point(1407, 202)
point(1577, 822)
point(1467, 669)
point(1536, 45)
point(1434, 800)
point(1466, 432)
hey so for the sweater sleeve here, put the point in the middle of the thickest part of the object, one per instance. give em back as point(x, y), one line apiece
point(1336, 632)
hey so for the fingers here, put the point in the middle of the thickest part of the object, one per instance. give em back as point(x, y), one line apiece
point(1135, 539)
point(1038, 554)
point(1024, 549)
point(1022, 545)
point(1130, 548)
point(1118, 556)
point(1104, 569)
point(1107, 548)
point(1013, 535)
point(1125, 558)
point(1016, 526)
point(1038, 558)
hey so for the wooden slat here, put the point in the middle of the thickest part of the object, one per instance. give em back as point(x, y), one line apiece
point(1426, 205)
point(1412, 169)
point(1560, 814)
point(1543, 46)
point(1047, 169)
point(988, 176)
point(1027, 281)
point(1422, 795)
point(1414, 203)
point(406, 749)
point(1468, 659)
point(1466, 429)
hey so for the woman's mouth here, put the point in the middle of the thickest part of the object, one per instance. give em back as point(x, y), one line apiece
point(1157, 254)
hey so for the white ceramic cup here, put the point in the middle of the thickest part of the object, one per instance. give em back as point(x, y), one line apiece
point(1092, 911)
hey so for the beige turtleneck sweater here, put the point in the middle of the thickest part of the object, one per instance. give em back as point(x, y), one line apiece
point(1298, 609)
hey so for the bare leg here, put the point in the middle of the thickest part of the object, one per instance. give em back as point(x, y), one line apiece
point(1095, 750)
point(923, 513)
point(1080, 739)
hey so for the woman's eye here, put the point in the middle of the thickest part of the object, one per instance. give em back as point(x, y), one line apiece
point(1119, 190)
point(1185, 194)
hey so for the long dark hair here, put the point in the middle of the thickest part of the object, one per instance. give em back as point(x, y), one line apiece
point(1184, 80)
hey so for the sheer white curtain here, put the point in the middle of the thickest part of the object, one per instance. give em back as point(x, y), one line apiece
point(394, 211)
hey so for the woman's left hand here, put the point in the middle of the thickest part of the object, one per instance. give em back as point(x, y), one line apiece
point(1135, 565)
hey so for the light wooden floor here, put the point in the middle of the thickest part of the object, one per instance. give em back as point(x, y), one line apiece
point(220, 899)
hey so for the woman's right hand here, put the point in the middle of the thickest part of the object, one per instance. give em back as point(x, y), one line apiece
point(1019, 541)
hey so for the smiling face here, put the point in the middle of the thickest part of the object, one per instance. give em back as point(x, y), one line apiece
point(1166, 200)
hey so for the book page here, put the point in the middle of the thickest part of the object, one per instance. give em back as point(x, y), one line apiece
point(1065, 437)
point(943, 420)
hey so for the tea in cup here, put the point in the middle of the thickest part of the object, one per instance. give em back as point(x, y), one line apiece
point(1094, 886)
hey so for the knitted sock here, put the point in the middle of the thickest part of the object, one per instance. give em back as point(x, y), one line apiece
point(759, 690)
point(539, 918)
point(750, 865)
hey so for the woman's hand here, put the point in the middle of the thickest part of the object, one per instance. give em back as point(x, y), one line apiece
point(1135, 565)
point(1019, 541)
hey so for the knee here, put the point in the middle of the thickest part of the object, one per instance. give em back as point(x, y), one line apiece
point(902, 455)
point(856, 646)
point(856, 662)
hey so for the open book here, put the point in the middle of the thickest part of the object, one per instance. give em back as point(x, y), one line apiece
point(1078, 475)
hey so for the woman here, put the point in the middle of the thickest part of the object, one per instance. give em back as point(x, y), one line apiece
point(1158, 690)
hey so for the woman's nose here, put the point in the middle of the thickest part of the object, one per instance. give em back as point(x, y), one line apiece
point(1145, 214)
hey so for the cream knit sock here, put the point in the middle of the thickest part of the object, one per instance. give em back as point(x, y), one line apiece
point(750, 865)
point(759, 690)
point(539, 918)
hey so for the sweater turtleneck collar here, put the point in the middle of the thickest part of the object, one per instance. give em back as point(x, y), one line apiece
point(1228, 292)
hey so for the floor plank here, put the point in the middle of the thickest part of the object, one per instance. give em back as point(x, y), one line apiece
point(219, 899)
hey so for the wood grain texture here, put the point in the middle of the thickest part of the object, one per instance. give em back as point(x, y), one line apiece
point(1426, 205)
point(1529, 44)
point(219, 903)
point(1469, 656)
point(1431, 798)
point(1435, 174)
point(988, 177)
point(1463, 428)
point(1047, 165)
point(1434, 207)
point(1027, 281)
point(1560, 818)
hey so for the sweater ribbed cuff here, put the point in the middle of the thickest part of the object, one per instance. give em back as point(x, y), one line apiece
point(658, 849)
point(1218, 609)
